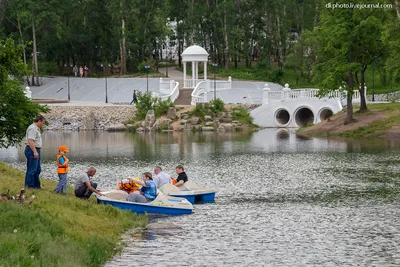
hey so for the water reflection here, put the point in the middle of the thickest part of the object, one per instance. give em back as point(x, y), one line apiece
point(282, 200)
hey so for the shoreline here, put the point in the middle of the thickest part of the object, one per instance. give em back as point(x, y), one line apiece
point(379, 121)
point(120, 118)
point(56, 229)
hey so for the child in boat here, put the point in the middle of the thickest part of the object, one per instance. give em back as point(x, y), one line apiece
point(129, 185)
point(182, 177)
point(148, 192)
point(62, 170)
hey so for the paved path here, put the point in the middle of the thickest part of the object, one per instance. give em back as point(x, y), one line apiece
point(119, 90)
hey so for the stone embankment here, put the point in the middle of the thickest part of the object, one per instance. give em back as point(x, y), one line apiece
point(82, 118)
point(122, 118)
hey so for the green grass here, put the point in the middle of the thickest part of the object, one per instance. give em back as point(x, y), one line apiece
point(374, 129)
point(390, 112)
point(58, 230)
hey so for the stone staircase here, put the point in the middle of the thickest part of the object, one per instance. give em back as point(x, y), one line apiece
point(185, 95)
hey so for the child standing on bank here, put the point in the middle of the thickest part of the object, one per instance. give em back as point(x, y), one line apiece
point(62, 170)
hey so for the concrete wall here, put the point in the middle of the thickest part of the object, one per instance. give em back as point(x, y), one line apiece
point(295, 112)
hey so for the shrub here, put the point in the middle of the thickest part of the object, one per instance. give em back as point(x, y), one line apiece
point(217, 105)
point(198, 111)
point(151, 62)
point(242, 115)
point(161, 106)
point(147, 102)
point(276, 75)
point(47, 68)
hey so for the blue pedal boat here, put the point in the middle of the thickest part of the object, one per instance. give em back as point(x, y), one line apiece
point(190, 191)
point(166, 205)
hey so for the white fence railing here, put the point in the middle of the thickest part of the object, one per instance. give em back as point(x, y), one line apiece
point(220, 85)
point(287, 94)
point(169, 88)
point(199, 94)
point(191, 83)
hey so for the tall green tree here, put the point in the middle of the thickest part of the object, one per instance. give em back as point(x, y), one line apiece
point(16, 110)
point(348, 43)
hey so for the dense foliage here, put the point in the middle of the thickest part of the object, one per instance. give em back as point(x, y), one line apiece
point(307, 43)
point(16, 110)
point(148, 102)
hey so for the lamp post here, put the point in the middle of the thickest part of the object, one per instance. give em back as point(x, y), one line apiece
point(215, 81)
point(166, 57)
point(69, 94)
point(106, 91)
point(147, 68)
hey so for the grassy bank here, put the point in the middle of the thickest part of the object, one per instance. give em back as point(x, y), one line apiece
point(381, 120)
point(57, 230)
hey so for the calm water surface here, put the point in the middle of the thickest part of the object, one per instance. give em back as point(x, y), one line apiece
point(282, 200)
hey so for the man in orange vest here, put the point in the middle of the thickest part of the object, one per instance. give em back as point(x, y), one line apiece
point(62, 170)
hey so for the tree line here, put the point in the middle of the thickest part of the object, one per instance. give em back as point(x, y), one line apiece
point(332, 47)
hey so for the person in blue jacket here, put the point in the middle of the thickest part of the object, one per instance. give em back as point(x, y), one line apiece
point(148, 192)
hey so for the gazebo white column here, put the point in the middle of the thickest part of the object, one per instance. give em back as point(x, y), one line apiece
point(184, 71)
point(194, 54)
point(193, 74)
point(205, 70)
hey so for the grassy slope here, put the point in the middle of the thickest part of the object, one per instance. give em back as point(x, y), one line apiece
point(57, 230)
point(380, 120)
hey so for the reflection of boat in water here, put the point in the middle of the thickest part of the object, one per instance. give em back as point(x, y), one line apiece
point(192, 192)
point(167, 205)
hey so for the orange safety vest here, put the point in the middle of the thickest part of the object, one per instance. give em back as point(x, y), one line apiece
point(62, 169)
point(129, 187)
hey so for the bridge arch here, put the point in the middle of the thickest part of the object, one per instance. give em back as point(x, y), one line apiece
point(282, 117)
point(325, 113)
point(303, 116)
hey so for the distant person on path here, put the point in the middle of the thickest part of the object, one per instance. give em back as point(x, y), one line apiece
point(85, 187)
point(182, 177)
point(148, 192)
point(134, 97)
point(33, 142)
point(161, 178)
point(85, 70)
point(62, 170)
point(81, 71)
point(75, 71)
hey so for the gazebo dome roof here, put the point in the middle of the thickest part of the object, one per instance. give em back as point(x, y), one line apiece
point(195, 53)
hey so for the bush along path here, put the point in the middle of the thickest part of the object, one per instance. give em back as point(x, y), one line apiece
point(57, 230)
point(213, 116)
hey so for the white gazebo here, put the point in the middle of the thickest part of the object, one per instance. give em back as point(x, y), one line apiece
point(194, 54)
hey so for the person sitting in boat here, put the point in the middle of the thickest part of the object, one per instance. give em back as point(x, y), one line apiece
point(148, 192)
point(129, 185)
point(161, 178)
point(182, 177)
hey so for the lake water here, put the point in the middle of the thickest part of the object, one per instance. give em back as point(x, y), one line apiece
point(282, 200)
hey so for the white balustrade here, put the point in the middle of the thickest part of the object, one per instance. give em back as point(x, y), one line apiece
point(191, 83)
point(199, 93)
point(169, 88)
point(286, 94)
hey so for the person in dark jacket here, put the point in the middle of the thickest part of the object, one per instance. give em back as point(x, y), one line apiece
point(182, 177)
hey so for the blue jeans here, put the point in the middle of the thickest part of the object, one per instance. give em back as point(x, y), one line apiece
point(62, 184)
point(84, 191)
point(33, 168)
